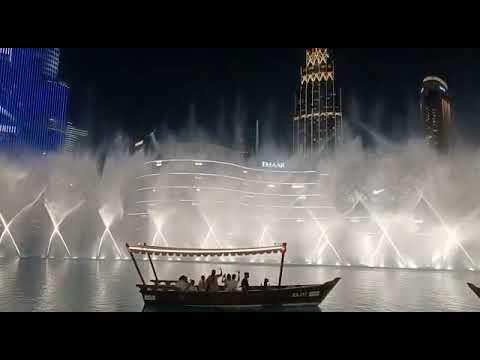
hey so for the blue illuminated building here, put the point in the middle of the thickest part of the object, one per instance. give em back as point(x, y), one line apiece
point(33, 103)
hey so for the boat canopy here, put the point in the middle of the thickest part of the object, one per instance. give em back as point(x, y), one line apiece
point(177, 252)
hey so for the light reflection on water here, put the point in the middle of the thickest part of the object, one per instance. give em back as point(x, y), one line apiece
point(85, 285)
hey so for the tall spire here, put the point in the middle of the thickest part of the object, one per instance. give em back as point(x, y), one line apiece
point(317, 56)
point(319, 67)
point(317, 123)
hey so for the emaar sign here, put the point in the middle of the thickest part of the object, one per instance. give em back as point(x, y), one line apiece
point(273, 164)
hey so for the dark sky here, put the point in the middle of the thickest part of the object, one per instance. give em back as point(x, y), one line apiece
point(139, 89)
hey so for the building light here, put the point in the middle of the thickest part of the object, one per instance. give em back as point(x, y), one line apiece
point(298, 186)
point(198, 164)
point(271, 186)
point(8, 129)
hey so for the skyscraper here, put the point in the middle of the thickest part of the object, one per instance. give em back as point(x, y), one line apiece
point(436, 113)
point(33, 103)
point(73, 138)
point(317, 123)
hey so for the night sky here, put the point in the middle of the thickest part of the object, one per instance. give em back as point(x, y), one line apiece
point(136, 90)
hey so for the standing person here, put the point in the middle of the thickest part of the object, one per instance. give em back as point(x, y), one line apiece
point(212, 281)
point(233, 285)
point(245, 285)
point(202, 284)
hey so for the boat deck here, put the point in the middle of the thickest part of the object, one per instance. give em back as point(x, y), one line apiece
point(164, 293)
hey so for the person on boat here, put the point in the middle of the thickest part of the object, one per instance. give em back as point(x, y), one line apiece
point(192, 287)
point(266, 282)
point(202, 284)
point(226, 281)
point(233, 284)
point(182, 283)
point(245, 285)
point(212, 281)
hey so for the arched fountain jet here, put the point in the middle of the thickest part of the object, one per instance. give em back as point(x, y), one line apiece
point(385, 235)
point(158, 222)
point(6, 225)
point(57, 223)
point(324, 241)
point(159, 234)
point(211, 231)
point(451, 232)
point(108, 219)
point(265, 236)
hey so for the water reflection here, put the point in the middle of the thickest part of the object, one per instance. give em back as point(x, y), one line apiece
point(83, 285)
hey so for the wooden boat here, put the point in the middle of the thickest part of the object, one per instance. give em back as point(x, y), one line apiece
point(475, 289)
point(164, 293)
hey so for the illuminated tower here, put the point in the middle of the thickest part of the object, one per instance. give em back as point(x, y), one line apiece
point(436, 111)
point(33, 102)
point(317, 123)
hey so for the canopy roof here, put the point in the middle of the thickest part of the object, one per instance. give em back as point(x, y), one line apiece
point(177, 252)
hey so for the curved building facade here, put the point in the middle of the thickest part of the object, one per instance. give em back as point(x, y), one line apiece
point(199, 202)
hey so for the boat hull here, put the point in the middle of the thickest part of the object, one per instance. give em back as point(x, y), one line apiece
point(312, 295)
point(475, 289)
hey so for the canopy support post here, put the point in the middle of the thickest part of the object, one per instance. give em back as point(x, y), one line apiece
point(281, 265)
point(136, 265)
point(153, 268)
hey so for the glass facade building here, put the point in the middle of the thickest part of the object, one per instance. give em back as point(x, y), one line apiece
point(436, 111)
point(33, 103)
point(74, 138)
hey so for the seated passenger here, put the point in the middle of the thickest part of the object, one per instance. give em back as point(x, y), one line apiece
point(182, 283)
point(202, 284)
point(226, 281)
point(192, 287)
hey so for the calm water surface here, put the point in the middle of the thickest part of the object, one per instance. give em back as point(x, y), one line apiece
point(106, 286)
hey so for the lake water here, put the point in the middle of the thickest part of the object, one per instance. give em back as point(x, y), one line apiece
point(109, 286)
